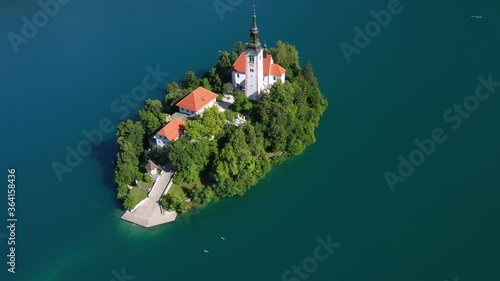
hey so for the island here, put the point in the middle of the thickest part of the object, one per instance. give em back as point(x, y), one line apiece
point(217, 135)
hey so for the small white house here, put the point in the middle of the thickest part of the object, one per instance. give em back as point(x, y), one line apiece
point(197, 101)
point(170, 132)
point(151, 168)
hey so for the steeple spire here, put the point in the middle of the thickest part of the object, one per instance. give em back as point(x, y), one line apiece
point(254, 34)
point(254, 18)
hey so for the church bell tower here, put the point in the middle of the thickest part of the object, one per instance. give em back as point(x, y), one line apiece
point(254, 71)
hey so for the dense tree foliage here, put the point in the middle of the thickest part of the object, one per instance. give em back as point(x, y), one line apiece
point(190, 81)
point(223, 67)
point(132, 132)
point(241, 103)
point(210, 124)
point(237, 166)
point(151, 116)
point(130, 135)
point(190, 158)
point(287, 56)
point(201, 194)
point(238, 48)
point(174, 202)
point(228, 89)
point(289, 115)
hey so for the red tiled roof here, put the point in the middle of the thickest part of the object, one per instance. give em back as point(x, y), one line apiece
point(239, 64)
point(173, 129)
point(267, 64)
point(277, 70)
point(151, 165)
point(273, 69)
point(197, 99)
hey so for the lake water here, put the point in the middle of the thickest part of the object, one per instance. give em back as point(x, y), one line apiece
point(440, 223)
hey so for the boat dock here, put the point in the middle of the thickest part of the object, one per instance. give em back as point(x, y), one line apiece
point(149, 212)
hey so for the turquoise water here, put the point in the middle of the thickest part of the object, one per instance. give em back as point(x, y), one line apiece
point(440, 223)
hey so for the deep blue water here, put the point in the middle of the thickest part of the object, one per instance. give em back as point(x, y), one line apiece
point(440, 223)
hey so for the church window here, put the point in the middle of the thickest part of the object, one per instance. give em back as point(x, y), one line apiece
point(251, 59)
point(251, 69)
point(237, 75)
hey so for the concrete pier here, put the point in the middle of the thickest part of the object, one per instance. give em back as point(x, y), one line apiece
point(149, 213)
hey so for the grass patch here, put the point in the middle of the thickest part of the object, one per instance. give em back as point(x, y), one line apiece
point(138, 194)
point(175, 188)
point(145, 184)
point(182, 189)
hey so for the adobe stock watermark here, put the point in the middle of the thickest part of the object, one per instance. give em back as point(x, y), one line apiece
point(121, 106)
point(48, 9)
point(372, 29)
point(223, 6)
point(454, 117)
point(121, 276)
point(310, 264)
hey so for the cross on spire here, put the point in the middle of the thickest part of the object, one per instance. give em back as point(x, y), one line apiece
point(254, 33)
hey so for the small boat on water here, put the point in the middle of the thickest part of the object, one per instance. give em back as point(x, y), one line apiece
point(205, 251)
point(476, 17)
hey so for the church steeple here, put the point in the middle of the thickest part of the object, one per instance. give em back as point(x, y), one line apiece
point(254, 42)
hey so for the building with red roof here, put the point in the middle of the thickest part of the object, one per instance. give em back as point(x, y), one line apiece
point(255, 71)
point(169, 132)
point(197, 101)
point(151, 168)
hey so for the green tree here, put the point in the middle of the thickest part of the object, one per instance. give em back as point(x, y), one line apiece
point(210, 123)
point(133, 133)
point(147, 178)
point(238, 48)
point(190, 158)
point(201, 194)
point(241, 103)
point(174, 94)
point(227, 89)
point(223, 68)
point(127, 168)
point(287, 56)
point(195, 129)
point(157, 155)
point(234, 167)
point(151, 116)
point(190, 81)
point(213, 120)
point(308, 74)
point(215, 80)
point(205, 84)
point(174, 202)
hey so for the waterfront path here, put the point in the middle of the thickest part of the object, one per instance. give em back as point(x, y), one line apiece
point(149, 213)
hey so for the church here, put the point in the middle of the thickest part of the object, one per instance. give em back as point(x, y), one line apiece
point(254, 71)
